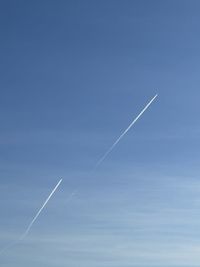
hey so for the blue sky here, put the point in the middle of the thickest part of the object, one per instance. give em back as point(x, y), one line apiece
point(73, 76)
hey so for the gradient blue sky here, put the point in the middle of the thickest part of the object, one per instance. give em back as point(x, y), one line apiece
point(73, 76)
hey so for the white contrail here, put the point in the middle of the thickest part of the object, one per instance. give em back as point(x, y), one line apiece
point(32, 222)
point(40, 210)
point(121, 136)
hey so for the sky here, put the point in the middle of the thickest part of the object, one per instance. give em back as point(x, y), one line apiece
point(74, 74)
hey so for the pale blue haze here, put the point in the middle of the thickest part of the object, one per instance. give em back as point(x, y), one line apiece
point(74, 74)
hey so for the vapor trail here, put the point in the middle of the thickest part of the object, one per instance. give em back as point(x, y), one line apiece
point(33, 220)
point(40, 210)
point(122, 135)
point(116, 142)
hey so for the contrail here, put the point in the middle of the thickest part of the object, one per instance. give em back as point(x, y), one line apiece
point(33, 220)
point(40, 210)
point(73, 193)
point(117, 141)
point(122, 135)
